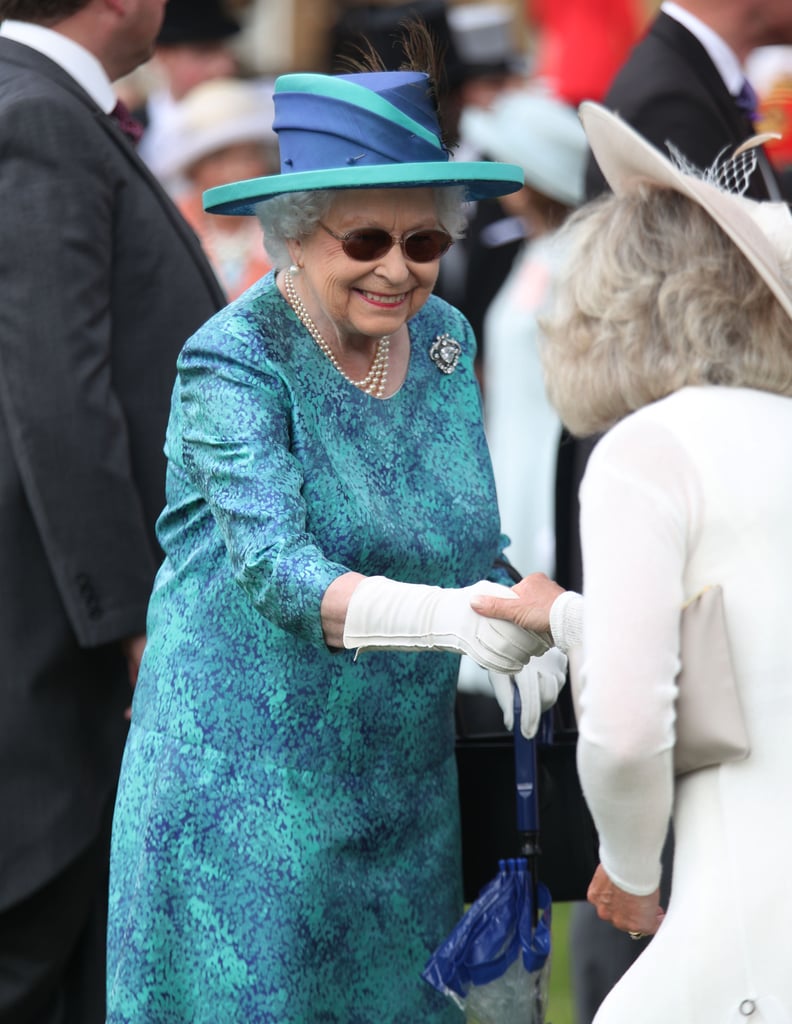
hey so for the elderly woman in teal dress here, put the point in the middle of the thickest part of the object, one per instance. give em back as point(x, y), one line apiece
point(286, 837)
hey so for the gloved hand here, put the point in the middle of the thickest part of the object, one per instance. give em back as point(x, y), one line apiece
point(384, 614)
point(539, 684)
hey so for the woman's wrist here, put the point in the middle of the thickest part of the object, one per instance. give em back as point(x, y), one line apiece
point(566, 620)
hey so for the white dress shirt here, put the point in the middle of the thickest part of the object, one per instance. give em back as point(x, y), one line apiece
point(75, 60)
point(720, 53)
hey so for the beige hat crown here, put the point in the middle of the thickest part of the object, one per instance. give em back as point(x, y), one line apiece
point(217, 113)
point(762, 231)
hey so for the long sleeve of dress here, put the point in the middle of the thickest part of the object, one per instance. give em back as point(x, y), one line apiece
point(639, 502)
point(255, 490)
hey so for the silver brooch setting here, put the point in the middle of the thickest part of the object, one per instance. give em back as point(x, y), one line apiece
point(445, 352)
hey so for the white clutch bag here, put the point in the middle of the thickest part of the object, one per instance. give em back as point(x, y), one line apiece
point(710, 726)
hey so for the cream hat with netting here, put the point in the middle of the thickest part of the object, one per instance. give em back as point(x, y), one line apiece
point(762, 231)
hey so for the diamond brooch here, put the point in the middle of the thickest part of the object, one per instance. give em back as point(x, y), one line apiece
point(445, 352)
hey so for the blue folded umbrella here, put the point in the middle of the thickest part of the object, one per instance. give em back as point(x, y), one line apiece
point(495, 964)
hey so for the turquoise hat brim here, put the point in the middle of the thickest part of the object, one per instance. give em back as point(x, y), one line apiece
point(480, 180)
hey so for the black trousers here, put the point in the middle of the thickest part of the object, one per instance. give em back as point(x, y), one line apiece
point(53, 945)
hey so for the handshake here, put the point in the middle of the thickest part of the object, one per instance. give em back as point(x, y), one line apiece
point(384, 614)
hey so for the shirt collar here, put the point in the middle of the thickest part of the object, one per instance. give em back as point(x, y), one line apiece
point(75, 60)
point(720, 53)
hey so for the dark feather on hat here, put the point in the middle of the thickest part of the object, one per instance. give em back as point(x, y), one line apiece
point(422, 51)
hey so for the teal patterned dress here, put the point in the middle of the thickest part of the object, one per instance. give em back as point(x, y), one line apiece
point(286, 836)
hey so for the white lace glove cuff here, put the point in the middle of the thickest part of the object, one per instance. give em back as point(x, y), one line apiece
point(387, 615)
point(566, 620)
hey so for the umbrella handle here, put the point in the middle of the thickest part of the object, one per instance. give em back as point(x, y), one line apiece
point(526, 776)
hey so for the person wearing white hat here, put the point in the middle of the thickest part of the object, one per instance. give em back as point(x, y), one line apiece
point(681, 82)
point(673, 331)
point(222, 131)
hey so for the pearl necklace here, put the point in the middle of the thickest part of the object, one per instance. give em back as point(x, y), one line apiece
point(375, 380)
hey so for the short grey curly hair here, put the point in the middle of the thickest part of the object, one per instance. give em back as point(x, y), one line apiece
point(654, 296)
point(297, 214)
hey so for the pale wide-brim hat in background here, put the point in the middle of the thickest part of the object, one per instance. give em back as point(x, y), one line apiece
point(762, 231)
point(218, 113)
point(374, 129)
point(537, 131)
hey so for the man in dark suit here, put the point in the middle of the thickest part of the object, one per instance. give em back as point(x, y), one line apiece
point(685, 87)
point(101, 284)
point(681, 83)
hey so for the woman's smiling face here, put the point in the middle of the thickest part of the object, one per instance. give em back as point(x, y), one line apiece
point(376, 297)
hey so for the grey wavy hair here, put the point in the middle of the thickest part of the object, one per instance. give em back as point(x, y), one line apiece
point(297, 215)
point(653, 296)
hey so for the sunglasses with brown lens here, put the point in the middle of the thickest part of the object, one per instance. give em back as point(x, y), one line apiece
point(368, 244)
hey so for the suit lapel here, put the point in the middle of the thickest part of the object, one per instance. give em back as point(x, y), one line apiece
point(180, 225)
point(677, 37)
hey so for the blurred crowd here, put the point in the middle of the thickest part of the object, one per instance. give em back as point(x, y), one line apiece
point(199, 134)
point(205, 103)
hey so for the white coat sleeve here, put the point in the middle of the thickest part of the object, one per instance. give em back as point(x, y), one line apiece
point(639, 499)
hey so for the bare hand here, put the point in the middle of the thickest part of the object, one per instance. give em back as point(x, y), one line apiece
point(536, 594)
point(132, 648)
point(640, 914)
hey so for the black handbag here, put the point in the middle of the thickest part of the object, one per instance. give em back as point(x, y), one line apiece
point(568, 844)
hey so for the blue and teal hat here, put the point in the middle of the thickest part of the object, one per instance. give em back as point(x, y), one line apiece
point(375, 129)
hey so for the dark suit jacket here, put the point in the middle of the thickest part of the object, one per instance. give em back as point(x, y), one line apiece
point(102, 282)
point(668, 89)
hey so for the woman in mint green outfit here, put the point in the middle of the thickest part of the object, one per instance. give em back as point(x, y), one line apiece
point(286, 839)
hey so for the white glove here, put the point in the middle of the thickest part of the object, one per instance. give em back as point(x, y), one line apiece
point(539, 685)
point(384, 614)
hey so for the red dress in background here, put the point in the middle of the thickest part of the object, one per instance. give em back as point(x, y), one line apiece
point(583, 43)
